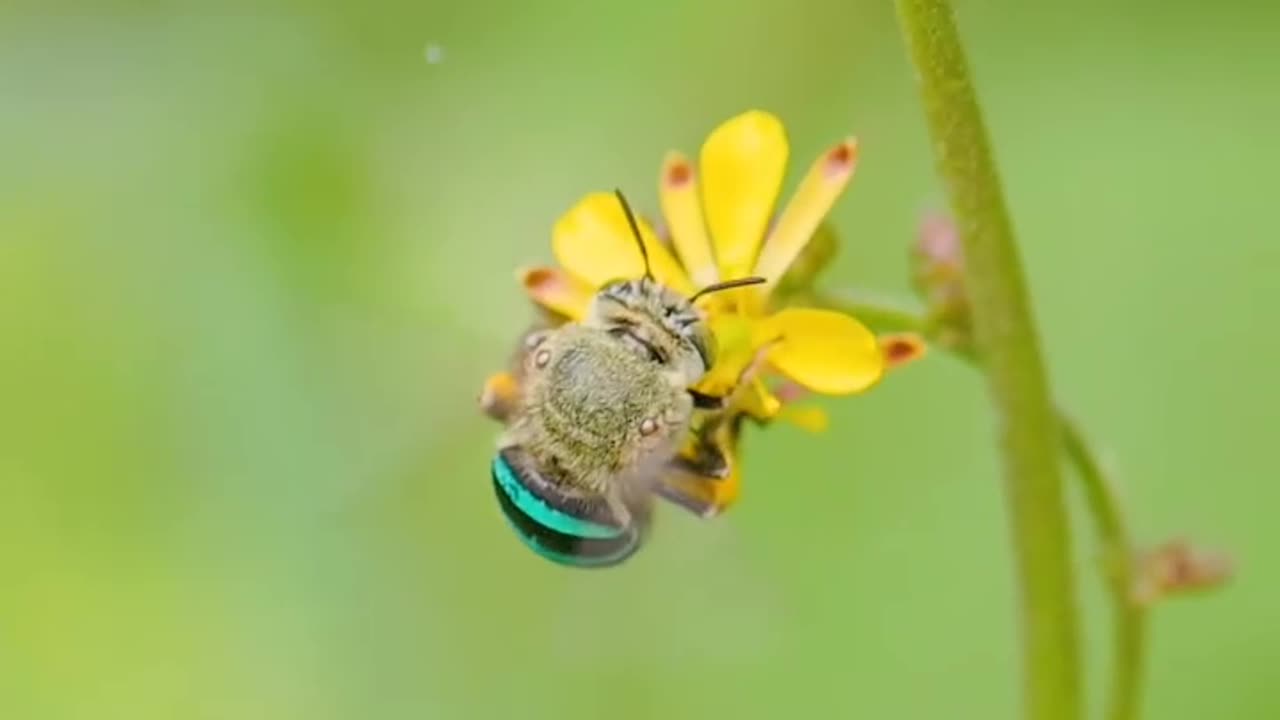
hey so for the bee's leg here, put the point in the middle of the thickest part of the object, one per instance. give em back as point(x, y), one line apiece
point(499, 397)
point(688, 492)
point(702, 401)
point(618, 508)
point(703, 478)
point(702, 496)
point(704, 453)
point(703, 460)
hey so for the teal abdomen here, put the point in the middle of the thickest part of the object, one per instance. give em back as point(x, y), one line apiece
point(560, 531)
point(563, 530)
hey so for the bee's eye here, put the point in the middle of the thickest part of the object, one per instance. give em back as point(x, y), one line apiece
point(699, 343)
point(626, 331)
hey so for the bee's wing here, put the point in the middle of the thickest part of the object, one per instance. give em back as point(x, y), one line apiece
point(695, 558)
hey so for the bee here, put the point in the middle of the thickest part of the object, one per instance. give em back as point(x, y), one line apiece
point(603, 409)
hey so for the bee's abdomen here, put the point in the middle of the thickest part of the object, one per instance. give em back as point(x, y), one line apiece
point(565, 529)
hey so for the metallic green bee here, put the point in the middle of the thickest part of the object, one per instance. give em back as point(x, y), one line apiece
point(605, 405)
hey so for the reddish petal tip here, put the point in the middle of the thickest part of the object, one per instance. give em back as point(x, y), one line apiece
point(841, 158)
point(679, 174)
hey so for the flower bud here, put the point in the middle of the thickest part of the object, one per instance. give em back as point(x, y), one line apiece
point(937, 273)
point(1178, 567)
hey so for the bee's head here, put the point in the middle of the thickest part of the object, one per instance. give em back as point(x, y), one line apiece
point(569, 529)
point(658, 323)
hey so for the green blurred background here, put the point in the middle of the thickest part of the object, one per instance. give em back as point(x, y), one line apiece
point(256, 258)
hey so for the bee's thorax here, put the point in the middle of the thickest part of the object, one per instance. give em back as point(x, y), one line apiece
point(599, 411)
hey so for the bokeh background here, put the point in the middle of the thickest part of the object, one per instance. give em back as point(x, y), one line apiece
point(256, 258)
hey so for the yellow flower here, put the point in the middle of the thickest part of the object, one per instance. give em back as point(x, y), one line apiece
point(719, 217)
point(719, 223)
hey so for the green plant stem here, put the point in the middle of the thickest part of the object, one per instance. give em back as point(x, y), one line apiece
point(1005, 337)
point(1101, 498)
point(879, 313)
point(1128, 617)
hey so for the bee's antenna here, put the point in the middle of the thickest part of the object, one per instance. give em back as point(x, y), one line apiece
point(635, 232)
point(727, 285)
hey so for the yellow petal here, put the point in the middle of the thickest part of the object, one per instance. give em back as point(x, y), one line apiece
point(823, 350)
point(742, 162)
point(811, 418)
point(734, 354)
point(594, 242)
point(810, 204)
point(556, 290)
point(756, 400)
point(901, 348)
point(678, 190)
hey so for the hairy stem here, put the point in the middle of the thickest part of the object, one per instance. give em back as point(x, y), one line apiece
point(1101, 498)
point(1005, 338)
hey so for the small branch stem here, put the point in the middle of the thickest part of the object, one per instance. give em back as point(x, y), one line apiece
point(1005, 337)
point(1129, 618)
point(880, 314)
point(1118, 553)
